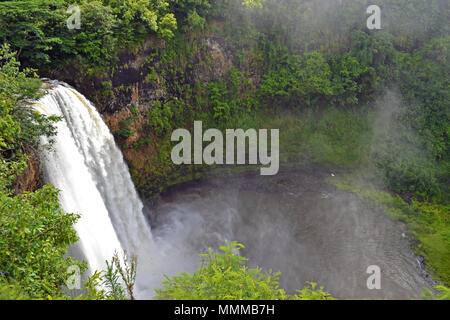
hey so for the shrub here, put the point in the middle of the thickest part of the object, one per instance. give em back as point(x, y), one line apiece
point(35, 236)
point(297, 81)
point(224, 276)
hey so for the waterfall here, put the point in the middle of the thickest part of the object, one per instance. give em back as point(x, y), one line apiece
point(87, 167)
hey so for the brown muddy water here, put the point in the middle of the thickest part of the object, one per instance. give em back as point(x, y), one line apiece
point(295, 223)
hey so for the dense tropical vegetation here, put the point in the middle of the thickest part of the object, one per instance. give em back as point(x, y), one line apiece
point(375, 101)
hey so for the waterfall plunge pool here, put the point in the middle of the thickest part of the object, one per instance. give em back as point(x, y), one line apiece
point(295, 223)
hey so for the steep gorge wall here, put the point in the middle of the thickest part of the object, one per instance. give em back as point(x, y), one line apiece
point(30, 178)
point(126, 93)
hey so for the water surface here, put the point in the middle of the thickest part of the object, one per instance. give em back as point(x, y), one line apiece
point(295, 223)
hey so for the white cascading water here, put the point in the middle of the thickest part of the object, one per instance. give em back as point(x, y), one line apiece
point(87, 167)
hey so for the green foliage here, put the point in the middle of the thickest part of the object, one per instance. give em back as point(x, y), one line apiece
point(444, 294)
point(134, 19)
point(9, 171)
point(36, 234)
point(11, 292)
point(253, 3)
point(297, 81)
point(92, 287)
point(431, 225)
point(124, 132)
point(311, 293)
point(119, 277)
point(424, 81)
point(235, 78)
point(400, 158)
point(415, 154)
point(127, 270)
point(30, 26)
point(114, 283)
point(375, 52)
point(95, 43)
point(332, 136)
point(125, 129)
point(141, 142)
point(305, 80)
point(224, 276)
point(160, 118)
point(191, 14)
point(195, 22)
point(19, 123)
point(217, 102)
point(37, 29)
point(350, 80)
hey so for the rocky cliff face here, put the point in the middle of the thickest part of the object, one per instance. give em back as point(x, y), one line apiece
point(139, 80)
point(131, 81)
point(31, 178)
